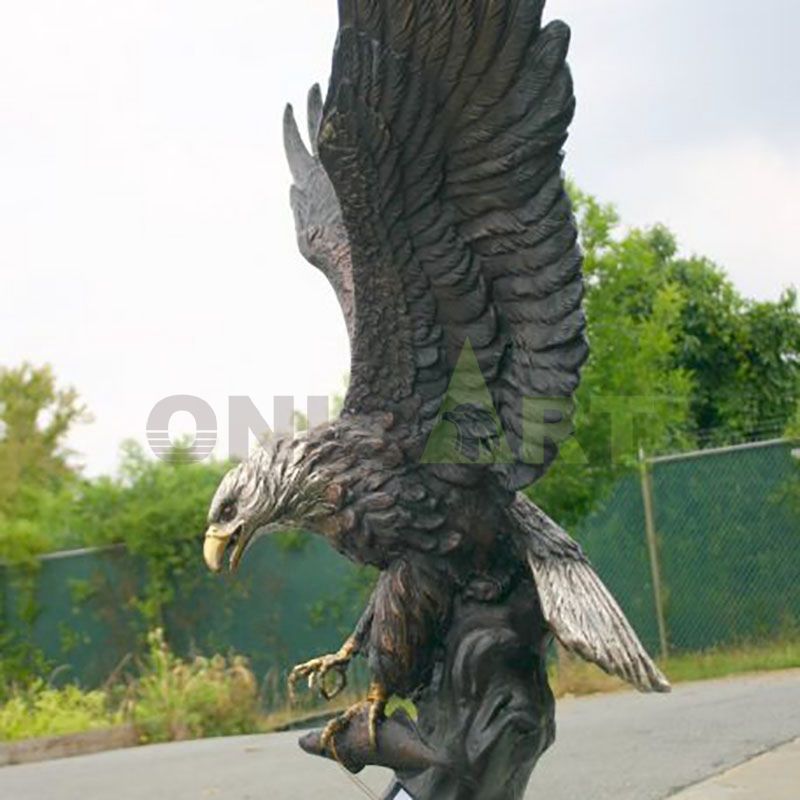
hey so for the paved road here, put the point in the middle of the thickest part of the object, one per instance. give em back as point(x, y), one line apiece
point(613, 747)
point(772, 776)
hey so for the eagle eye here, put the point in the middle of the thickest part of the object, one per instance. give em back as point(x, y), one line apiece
point(228, 512)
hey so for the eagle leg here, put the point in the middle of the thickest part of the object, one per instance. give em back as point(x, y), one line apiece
point(317, 671)
point(375, 708)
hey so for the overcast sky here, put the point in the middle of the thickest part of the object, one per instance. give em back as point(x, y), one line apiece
point(146, 243)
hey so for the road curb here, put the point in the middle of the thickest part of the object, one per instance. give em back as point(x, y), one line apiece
point(75, 744)
point(774, 774)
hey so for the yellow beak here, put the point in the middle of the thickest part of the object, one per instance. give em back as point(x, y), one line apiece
point(214, 547)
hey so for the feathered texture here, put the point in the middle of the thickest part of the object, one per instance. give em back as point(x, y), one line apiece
point(321, 235)
point(402, 629)
point(277, 482)
point(442, 135)
point(580, 610)
point(432, 199)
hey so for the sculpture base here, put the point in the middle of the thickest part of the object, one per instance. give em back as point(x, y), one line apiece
point(485, 719)
point(399, 746)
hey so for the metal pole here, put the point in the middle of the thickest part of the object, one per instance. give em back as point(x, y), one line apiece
point(652, 547)
point(715, 451)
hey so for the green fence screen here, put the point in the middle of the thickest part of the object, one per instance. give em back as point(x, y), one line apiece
point(728, 532)
point(283, 607)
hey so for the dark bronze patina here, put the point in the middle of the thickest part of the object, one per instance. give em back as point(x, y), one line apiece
point(432, 199)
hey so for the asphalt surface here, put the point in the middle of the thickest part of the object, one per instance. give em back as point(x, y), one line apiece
point(772, 776)
point(612, 747)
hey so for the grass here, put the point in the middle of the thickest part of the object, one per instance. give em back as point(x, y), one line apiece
point(736, 661)
point(307, 713)
point(176, 699)
point(173, 699)
point(573, 677)
point(169, 699)
point(39, 710)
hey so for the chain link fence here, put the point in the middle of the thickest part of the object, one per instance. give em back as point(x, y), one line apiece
point(715, 563)
point(703, 549)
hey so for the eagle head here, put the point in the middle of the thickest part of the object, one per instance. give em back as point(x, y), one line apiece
point(282, 485)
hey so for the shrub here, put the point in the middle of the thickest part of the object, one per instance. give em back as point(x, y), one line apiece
point(157, 509)
point(40, 710)
point(176, 699)
point(171, 699)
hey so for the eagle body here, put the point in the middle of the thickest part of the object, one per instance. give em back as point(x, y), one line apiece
point(433, 540)
point(432, 199)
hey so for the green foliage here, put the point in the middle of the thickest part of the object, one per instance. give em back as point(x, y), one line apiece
point(39, 710)
point(171, 699)
point(402, 704)
point(37, 526)
point(35, 474)
point(157, 509)
point(570, 676)
point(22, 541)
point(790, 493)
point(793, 429)
point(674, 345)
point(176, 699)
point(20, 664)
point(37, 417)
point(632, 394)
point(744, 355)
point(724, 662)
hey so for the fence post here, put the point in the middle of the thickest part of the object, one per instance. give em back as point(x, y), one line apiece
point(652, 547)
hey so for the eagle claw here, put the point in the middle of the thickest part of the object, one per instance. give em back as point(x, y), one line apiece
point(374, 706)
point(317, 671)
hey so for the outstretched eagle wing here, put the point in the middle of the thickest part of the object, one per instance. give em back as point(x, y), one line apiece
point(321, 235)
point(441, 136)
point(579, 609)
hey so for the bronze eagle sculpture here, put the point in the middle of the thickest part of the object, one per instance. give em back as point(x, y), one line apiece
point(433, 200)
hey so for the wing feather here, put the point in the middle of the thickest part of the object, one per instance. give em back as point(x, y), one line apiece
point(580, 610)
point(441, 135)
point(321, 234)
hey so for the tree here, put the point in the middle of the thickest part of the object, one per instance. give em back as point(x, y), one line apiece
point(726, 369)
point(744, 355)
point(793, 429)
point(157, 509)
point(633, 393)
point(37, 418)
point(35, 473)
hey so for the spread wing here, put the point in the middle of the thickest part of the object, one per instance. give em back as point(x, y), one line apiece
point(579, 609)
point(442, 134)
point(321, 235)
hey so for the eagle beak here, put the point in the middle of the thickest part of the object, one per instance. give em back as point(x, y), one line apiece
point(214, 547)
point(220, 541)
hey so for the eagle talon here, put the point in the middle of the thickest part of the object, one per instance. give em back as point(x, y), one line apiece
point(338, 725)
point(377, 711)
point(318, 669)
point(374, 705)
